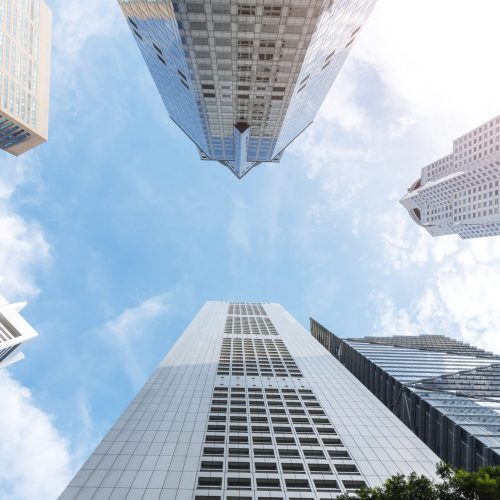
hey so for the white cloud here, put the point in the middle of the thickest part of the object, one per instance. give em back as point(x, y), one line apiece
point(126, 330)
point(404, 244)
point(440, 58)
point(35, 457)
point(452, 285)
point(424, 70)
point(23, 247)
point(77, 22)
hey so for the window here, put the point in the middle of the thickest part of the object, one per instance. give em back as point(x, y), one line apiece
point(216, 428)
point(320, 468)
point(285, 440)
point(326, 484)
point(238, 452)
point(308, 441)
point(238, 466)
point(293, 468)
point(213, 452)
point(238, 439)
point(214, 439)
point(210, 483)
point(239, 483)
point(354, 485)
point(208, 466)
point(286, 453)
point(268, 484)
point(338, 454)
point(263, 452)
point(297, 484)
point(314, 454)
point(261, 439)
point(346, 469)
point(265, 467)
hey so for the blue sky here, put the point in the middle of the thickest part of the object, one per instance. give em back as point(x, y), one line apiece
point(117, 233)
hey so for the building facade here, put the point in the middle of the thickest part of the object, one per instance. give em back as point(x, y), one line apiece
point(445, 391)
point(25, 41)
point(244, 79)
point(459, 194)
point(239, 408)
point(14, 332)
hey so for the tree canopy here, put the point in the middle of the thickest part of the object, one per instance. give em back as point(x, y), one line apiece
point(454, 484)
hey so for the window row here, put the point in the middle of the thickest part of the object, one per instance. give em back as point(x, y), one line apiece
point(214, 439)
point(269, 484)
point(272, 467)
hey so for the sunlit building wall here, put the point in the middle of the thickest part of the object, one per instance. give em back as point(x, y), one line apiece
point(248, 405)
point(25, 41)
point(459, 194)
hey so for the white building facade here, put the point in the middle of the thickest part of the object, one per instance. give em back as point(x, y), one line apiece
point(247, 405)
point(244, 79)
point(25, 43)
point(14, 332)
point(459, 194)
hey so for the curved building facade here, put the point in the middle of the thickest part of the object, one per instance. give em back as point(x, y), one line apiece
point(459, 194)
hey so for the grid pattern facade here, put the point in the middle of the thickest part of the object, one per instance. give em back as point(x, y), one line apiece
point(460, 192)
point(445, 391)
point(249, 325)
point(244, 79)
point(227, 416)
point(439, 343)
point(25, 27)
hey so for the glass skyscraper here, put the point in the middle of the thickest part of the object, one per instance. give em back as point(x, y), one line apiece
point(244, 79)
point(459, 193)
point(247, 405)
point(447, 392)
point(25, 40)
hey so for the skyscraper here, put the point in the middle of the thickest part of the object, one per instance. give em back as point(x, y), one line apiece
point(459, 193)
point(244, 79)
point(14, 331)
point(25, 40)
point(445, 391)
point(248, 405)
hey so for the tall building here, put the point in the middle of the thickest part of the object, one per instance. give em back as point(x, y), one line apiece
point(244, 78)
point(247, 405)
point(458, 194)
point(445, 391)
point(25, 40)
point(14, 331)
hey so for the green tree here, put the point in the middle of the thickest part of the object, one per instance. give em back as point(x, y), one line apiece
point(454, 484)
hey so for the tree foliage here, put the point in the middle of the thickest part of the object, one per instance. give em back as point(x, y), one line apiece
point(454, 484)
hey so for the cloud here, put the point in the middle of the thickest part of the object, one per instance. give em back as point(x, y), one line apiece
point(35, 457)
point(23, 247)
point(438, 57)
point(412, 81)
point(77, 22)
point(451, 285)
point(404, 244)
point(126, 331)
